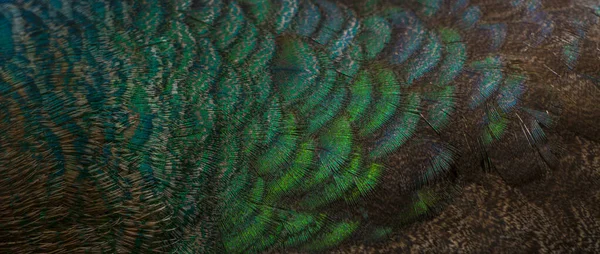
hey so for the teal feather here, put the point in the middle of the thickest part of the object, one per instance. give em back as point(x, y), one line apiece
point(212, 126)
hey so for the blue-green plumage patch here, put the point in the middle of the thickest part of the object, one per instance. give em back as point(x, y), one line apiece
point(281, 149)
point(295, 69)
point(428, 58)
point(240, 126)
point(301, 227)
point(361, 93)
point(208, 12)
point(399, 132)
point(430, 7)
point(228, 26)
point(326, 112)
point(287, 11)
point(229, 93)
point(490, 70)
point(375, 36)
point(439, 115)
point(454, 58)
point(325, 82)
point(494, 129)
point(6, 41)
point(344, 40)
point(470, 17)
point(410, 40)
point(294, 175)
point(334, 236)
point(308, 19)
point(366, 181)
point(334, 19)
point(383, 109)
point(350, 63)
point(258, 10)
point(335, 145)
point(244, 46)
point(510, 93)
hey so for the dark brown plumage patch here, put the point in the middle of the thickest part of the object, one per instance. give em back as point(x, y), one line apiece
point(557, 214)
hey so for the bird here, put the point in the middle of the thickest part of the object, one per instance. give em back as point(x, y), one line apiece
point(252, 126)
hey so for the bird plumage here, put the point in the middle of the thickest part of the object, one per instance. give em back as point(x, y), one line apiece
point(249, 126)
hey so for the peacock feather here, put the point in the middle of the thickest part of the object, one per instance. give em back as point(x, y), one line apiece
point(243, 126)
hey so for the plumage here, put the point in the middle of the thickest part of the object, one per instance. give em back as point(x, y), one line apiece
point(212, 126)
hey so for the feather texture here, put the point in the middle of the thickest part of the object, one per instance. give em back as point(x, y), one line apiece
point(248, 126)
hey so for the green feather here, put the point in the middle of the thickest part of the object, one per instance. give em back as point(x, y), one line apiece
point(401, 132)
point(332, 238)
point(383, 109)
point(282, 148)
